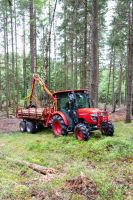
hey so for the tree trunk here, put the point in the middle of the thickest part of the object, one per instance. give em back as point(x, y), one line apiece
point(6, 57)
point(45, 56)
point(55, 59)
point(85, 48)
point(35, 42)
point(129, 67)
point(16, 57)
point(76, 63)
point(24, 58)
point(89, 67)
point(72, 66)
point(113, 85)
point(13, 63)
point(119, 85)
point(65, 49)
point(95, 68)
point(49, 46)
point(32, 39)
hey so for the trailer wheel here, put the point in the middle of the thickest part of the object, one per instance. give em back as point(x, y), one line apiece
point(81, 132)
point(107, 128)
point(22, 126)
point(58, 126)
point(30, 127)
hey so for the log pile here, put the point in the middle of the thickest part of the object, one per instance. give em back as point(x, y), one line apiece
point(32, 113)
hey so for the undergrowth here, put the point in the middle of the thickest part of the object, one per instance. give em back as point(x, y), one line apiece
point(105, 160)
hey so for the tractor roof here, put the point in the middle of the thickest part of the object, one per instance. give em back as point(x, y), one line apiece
point(66, 91)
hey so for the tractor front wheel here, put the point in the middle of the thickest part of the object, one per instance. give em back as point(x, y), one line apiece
point(107, 128)
point(81, 132)
point(58, 126)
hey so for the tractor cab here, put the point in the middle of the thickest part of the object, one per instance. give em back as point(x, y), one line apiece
point(73, 99)
point(70, 102)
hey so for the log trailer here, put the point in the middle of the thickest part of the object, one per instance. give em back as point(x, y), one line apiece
point(68, 111)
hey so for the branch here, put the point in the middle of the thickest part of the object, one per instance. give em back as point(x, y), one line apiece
point(10, 2)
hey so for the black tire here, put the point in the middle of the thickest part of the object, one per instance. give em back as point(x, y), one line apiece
point(30, 127)
point(38, 126)
point(58, 126)
point(22, 126)
point(107, 128)
point(81, 132)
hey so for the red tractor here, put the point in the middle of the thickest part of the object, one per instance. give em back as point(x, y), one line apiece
point(66, 111)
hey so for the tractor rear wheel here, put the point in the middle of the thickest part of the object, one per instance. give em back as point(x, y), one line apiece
point(30, 127)
point(107, 128)
point(81, 132)
point(22, 126)
point(58, 126)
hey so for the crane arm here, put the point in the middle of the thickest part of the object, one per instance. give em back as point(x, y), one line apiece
point(35, 79)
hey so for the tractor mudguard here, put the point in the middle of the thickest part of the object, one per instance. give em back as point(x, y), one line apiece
point(63, 117)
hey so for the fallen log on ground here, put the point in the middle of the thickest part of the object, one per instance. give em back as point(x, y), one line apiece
point(38, 168)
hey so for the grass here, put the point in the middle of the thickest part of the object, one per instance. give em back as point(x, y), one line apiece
point(105, 160)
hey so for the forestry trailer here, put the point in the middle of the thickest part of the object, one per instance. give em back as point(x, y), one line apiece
point(66, 111)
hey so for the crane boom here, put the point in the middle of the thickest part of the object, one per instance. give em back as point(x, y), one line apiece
point(35, 79)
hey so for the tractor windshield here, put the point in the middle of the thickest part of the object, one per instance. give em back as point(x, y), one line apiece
point(82, 100)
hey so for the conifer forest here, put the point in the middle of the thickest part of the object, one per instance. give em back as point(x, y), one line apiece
point(85, 49)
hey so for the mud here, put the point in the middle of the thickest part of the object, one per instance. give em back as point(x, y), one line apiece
point(82, 185)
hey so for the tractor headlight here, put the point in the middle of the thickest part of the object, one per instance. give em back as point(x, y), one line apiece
point(94, 117)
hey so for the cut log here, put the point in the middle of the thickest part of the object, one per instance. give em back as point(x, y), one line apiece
point(38, 168)
point(33, 113)
point(41, 169)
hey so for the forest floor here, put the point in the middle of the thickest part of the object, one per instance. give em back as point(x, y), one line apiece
point(98, 169)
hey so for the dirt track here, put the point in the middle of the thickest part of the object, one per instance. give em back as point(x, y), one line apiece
point(9, 125)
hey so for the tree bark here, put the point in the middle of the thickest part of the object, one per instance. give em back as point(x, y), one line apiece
point(32, 37)
point(13, 63)
point(95, 67)
point(55, 59)
point(16, 57)
point(130, 66)
point(6, 58)
point(76, 63)
point(89, 67)
point(49, 47)
point(72, 66)
point(65, 49)
point(113, 85)
point(35, 41)
point(85, 48)
point(119, 85)
point(24, 58)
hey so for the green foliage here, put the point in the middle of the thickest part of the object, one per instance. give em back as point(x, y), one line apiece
point(103, 86)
